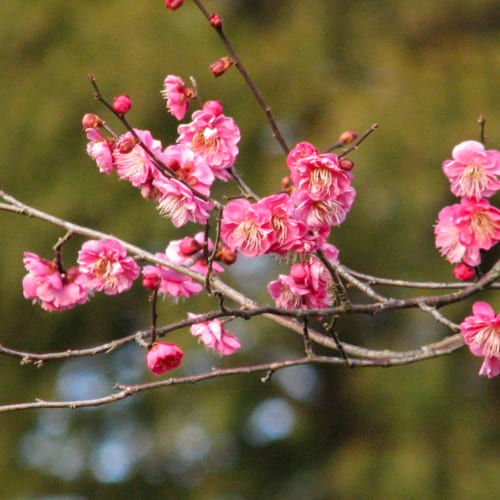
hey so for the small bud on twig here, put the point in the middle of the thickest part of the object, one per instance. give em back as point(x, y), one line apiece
point(220, 66)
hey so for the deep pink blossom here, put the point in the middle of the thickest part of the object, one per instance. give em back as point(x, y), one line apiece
point(105, 266)
point(464, 272)
point(306, 287)
point(100, 149)
point(177, 94)
point(247, 227)
point(178, 202)
point(464, 229)
point(189, 167)
point(136, 166)
point(163, 357)
point(322, 214)
point(300, 151)
point(170, 281)
point(481, 332)
point(45, 283)
point(213, 136)
point(173, 4)
point(214, 335)
point(473, 171)
point(321, 177)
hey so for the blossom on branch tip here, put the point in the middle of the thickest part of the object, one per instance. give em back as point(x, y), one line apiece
point(55, 290)
point(481, 332)
point(214, 335)
point(163, 357)
point(105, 266)
point(177, 95)
point(473, 171)
point(219, 67)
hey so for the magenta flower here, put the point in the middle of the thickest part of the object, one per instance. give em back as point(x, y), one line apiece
point(300, 151)
point(481, 332)
point(170, 282)
point(45, 283)
point(122, 104)
point(247, 228)
point(306, 287)
point(214, 335)
point(135, 165)
point(101, 150)
point(163, 357)
point(177, 95)
point(320, 215)
point(105, 266)
point(464, 229)
point(213, 136)
point(189, 167)
point(179, 203)
point(473, 171)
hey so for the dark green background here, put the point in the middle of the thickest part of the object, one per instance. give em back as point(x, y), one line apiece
point(424, 71)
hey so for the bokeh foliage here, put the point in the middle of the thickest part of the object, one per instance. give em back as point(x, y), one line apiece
point(424, 71)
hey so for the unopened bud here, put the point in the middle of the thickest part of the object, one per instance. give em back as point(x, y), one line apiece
point(90, 120)
point(220, 66)
point(151, 281)
point(214, 107)
point(189, 246)
point(346, 164)
point(463, 272)
point(122, 104)
point(216, 20)
point(227, 255)
point(348, 136)
point(173, 4)
point(126, 145)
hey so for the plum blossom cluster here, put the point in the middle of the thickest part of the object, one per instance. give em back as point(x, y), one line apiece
point(465, 229)
point(103, 265)
point(178, 177)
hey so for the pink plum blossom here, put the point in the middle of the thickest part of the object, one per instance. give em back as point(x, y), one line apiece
point(122, 104)
point(214, 335)
point(322, 214)
point(481, 332)
point(169, 281)
point(163, 357)
point(306, 287)
point(135, 165)
point(55, 290)
point(189, 167)
point(177, 95)
point(300, 151)
point(247, 228)
point(321, 176)
point(105, 266)
point(101, 150)
point(213, 136)
point(464, 229)
point(178, 202)
point(473, 171)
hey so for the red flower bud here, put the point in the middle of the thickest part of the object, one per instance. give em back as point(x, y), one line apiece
point(173, 4)
point(151, 281)
point(228, 256)
point(122, 104)
point(90, 120)
point(463, 272)
point(163, 357)
point(126, 145)
point(188, 246)
point(220, 66)
point(216, 20)
point(346, 164)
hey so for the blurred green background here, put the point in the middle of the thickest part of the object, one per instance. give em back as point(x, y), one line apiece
point(424, 71)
